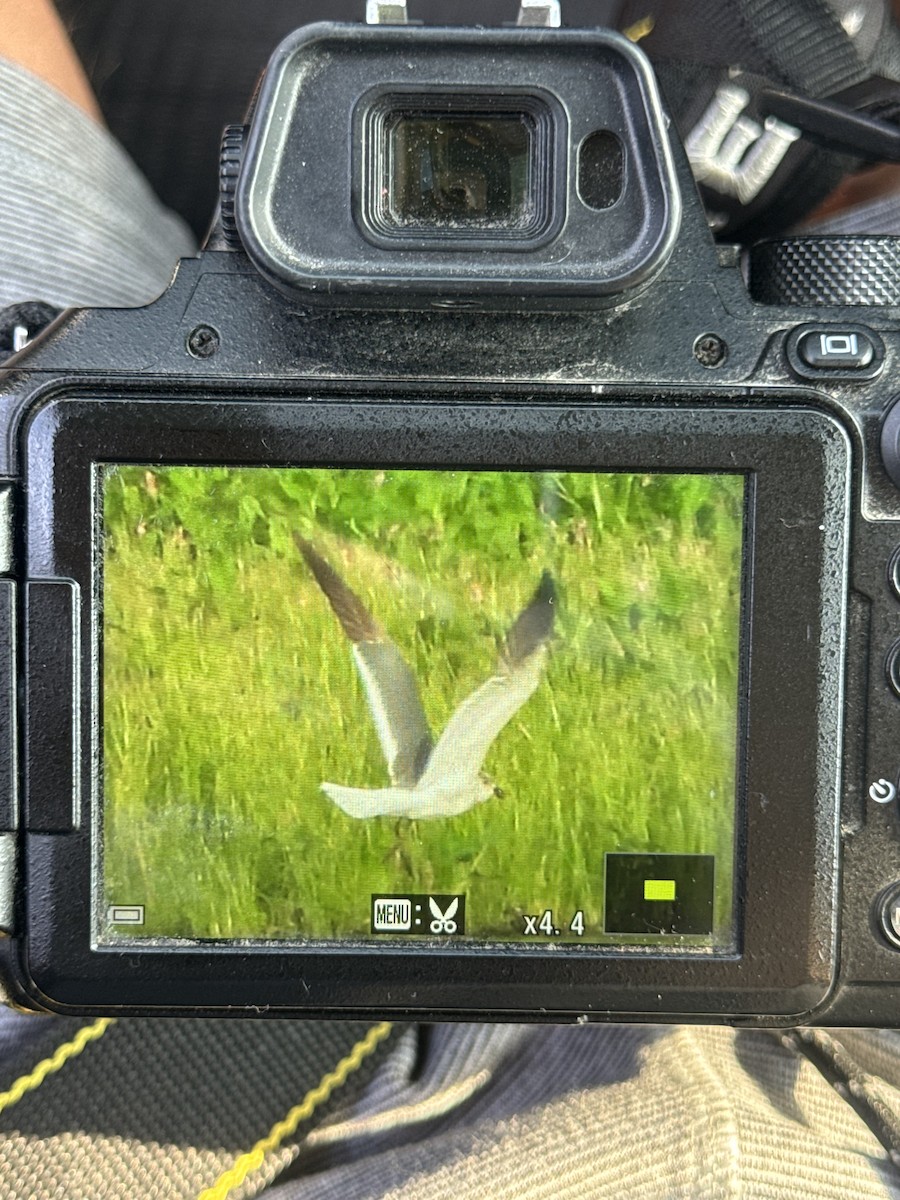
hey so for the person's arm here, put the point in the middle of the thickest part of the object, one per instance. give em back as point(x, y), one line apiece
point(79, 225)
point(32, 35)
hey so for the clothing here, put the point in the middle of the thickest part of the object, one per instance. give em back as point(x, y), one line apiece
point(504, 1112)
point(79, 225)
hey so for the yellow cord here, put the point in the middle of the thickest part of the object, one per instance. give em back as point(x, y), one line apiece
point(639, 30)
point(27, 1083)
point(253, 1159)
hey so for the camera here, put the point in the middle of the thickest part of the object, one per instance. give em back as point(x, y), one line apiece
point(467, 591)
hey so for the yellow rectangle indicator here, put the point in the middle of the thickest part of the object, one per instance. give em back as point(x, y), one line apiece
point(659, 889)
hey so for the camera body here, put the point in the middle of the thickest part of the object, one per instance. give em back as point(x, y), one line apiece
point(462, 445)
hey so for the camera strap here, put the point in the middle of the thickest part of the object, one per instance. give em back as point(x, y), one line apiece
point(719, 64)
point(21, 323)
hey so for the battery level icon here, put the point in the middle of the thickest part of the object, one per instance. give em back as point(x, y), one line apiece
point(659, 889)
point(125, 914)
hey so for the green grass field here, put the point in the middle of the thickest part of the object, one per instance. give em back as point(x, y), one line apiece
point(230, 693)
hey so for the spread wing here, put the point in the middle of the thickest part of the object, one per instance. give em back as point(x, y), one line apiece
point(533, 626)
point(396, 709)
point(390, 686)
point(463, 746)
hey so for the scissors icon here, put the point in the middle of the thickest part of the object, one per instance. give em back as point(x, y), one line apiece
point(443, 921)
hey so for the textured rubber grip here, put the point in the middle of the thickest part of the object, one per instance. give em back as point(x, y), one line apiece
point(826, 270)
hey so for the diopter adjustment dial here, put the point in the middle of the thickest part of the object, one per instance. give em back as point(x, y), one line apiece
point(230, 157)
point(824, 270)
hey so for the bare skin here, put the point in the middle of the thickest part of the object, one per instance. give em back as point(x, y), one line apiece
point(33, 36)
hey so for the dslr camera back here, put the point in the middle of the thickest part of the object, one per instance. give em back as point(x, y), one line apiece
point(467, 591)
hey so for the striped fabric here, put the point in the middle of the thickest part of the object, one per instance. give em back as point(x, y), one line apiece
point(504, 1112)
point(78, 224)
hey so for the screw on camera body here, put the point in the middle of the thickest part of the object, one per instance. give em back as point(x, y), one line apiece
point(203, 342)
point(710, 350)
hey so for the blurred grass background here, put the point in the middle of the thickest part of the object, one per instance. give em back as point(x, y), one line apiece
point(230, 693)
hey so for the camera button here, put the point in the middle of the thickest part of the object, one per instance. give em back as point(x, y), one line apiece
point(892, 668)
point(833, 349)
point(894, 573)
point(889, 914)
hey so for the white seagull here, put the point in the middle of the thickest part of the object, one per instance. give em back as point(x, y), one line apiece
point(427, 779)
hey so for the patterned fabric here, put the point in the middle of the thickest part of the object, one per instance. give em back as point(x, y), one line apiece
point(156, 1107)
point(78, 224)
point(506, 1112)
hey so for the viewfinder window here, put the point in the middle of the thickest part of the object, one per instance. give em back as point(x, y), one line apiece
point(457, 170)
point(459, 167)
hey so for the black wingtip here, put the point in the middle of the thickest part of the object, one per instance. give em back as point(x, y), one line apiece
point(534, 624)
point(355, 619)
point(546, 590)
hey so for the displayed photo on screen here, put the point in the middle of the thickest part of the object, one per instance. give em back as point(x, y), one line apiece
point(395, 705)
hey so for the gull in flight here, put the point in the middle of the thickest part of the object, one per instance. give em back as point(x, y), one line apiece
point(443, 778)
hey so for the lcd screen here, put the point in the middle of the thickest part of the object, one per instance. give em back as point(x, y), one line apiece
point(409, 705)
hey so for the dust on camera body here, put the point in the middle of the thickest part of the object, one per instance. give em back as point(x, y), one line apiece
point(457, 595)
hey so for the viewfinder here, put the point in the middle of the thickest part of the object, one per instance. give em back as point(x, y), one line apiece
point(403, 168)
point(451, 166)
point(459, 171)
